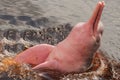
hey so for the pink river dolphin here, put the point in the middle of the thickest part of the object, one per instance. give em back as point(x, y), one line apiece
point(74, 53)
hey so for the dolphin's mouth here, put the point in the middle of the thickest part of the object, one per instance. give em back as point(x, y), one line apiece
point(96, 16)
point(95, 23)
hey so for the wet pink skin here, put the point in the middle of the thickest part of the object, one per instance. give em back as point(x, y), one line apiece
point(73, 54)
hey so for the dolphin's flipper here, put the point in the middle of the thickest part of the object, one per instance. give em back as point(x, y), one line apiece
point(51, 64)
point(34, 55)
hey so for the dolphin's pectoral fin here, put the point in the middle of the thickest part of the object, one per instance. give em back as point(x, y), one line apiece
point(53, 64)
point(34, 55)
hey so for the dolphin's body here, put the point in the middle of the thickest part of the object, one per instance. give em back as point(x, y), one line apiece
point(73, 54)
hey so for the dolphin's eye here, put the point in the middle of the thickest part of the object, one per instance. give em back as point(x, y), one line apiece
point(101, 32)
point(98, 39)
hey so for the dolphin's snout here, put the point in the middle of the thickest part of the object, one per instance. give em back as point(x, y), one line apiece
point(95, 19)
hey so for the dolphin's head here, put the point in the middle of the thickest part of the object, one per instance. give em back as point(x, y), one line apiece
point(86, 37)
point(90, 32)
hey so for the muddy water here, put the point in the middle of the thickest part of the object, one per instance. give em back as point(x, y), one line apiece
point(72, 11)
